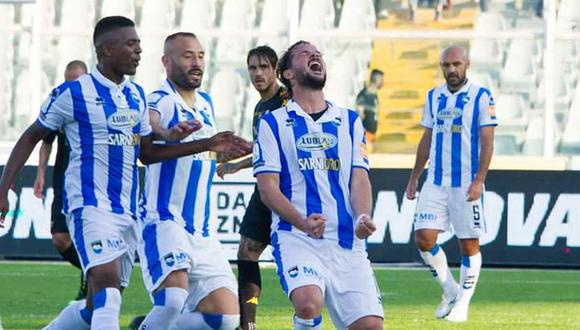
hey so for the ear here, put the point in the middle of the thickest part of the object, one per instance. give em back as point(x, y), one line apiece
point(165, 60)
point(287, 74)
point(467, 64)
point(107, 49)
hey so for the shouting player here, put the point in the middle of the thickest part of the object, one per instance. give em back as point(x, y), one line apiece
point(312, 170)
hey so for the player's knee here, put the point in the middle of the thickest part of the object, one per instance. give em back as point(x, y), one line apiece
point(61, 241)
point(367, 323)
point(307, 305)
point(104, 276)
point(249, 249)
point(424, 242)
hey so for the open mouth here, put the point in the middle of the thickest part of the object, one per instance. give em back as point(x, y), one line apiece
point(196, 73)
point(315, 66)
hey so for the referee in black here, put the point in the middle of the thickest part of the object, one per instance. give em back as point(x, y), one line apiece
point(255, 227)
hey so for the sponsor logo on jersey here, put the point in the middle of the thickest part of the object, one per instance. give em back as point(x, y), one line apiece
point(119, 139)
point(309, 271)
point(290, 122)
point(175, 258)
point(337, 121)
point(316, 141)
point(97, 247)
point(443, 128)
point(169, 259)
point(325, 164)
point(293, 272)
point(449, 113)
point(425, 217)
point(124, 119)
point(115, 243)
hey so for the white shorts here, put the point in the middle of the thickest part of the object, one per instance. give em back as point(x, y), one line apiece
point(101, 236)
point(345, 277)
point(166, 247)
point(447, 209)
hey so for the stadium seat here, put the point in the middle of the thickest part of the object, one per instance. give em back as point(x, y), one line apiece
point(526, 47)
point(486, 54)
point(531, 23)
point(317, 15)
point(157, 16)
point(571, 136)
point(236, 15)
point(252, 98)
point(358, 8)
point(227, 93)
point(512, 112)
point(150, 72)
point(519, 74)
point(24, 113)
point(534, 141)
point(563, 95)
point(118, 7)
point(270, 22)
point(192, 21)
point(72, 48)
point(568, 19)
point(505, 145)
point(77, 15)
point(359, 48)
point(483, 79)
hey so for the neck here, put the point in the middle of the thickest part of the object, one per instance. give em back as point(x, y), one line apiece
point(311, 101)
point(269, 93)
point(110, 74)
point(371, 88)
point(188, 95)
point(458, 87)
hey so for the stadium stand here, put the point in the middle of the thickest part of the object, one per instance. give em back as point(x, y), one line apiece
point(512, 68)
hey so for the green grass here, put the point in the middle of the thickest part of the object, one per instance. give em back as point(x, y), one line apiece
point(31, 294)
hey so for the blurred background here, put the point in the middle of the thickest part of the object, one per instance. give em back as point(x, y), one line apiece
point(526, 51)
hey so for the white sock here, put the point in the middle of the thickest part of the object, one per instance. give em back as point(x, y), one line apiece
point(437, 262)
point(106, 308)
point(73, 317)
point(206, 321)
point(308, 324)
point(167, 304)
point(470, 268)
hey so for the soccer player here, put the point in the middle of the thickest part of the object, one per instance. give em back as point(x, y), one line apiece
point(255, 227)
point(184, 266)
point(105, 119)
point(60, 235)
point(367, 104)
point(312, 169)
point(459, 120)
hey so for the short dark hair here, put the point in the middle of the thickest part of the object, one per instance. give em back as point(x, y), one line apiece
point(176, 35)
point(77, 63)
point(110, 23)
point(264, 52)
point(285, 63)
point(375, 73)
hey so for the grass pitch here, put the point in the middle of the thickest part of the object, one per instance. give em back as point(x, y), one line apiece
point(31, 294)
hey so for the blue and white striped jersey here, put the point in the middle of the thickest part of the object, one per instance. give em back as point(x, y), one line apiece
point(456, 119)
point(103, 123)
point(315, 161)
point(179, 189)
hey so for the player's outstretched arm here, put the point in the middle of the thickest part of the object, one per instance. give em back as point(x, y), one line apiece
point(223, 141)
point(240, 148)
point(420, 161)
point(231, 168)
point(176, 133)
point(268, 185)
point(475, 189)
point(18, 158)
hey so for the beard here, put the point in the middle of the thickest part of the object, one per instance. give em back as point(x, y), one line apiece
point(181, 78)
point(458, 80)
point(309, 81)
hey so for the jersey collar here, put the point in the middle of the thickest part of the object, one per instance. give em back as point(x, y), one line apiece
point(465, 88)
point(330, 115)
point(106, 81)
point(170, 88)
